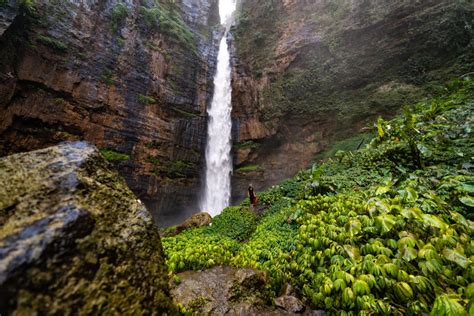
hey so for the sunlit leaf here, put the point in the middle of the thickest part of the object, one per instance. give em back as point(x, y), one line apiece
point(385, 222)
point(455, 256)
point(444, 305)
point(353, 252)
point(467, 200)
point(434, 221)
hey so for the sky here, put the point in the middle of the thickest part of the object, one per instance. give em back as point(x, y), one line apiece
point(226, 8)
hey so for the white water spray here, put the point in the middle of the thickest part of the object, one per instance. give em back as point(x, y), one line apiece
point(216, 194)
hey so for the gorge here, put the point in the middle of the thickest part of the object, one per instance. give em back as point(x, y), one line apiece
point(304, 74)
point(120, 121)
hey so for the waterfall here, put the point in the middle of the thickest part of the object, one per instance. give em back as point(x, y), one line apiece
point(216, 193)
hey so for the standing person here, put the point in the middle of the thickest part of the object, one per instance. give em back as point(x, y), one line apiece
point(252, 196)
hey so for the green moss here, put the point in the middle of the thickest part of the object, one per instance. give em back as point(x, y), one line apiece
point(52, 43)
point(249, 168)
point(146, 100)
point(112, 155)
point(170, 22)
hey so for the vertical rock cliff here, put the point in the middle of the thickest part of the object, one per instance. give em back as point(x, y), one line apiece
point(133, 77)
point(307, 73)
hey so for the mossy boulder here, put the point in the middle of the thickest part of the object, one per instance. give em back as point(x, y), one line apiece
point(74, 239)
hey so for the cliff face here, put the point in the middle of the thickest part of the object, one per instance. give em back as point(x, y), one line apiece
point(133, 77)
point(307, 73)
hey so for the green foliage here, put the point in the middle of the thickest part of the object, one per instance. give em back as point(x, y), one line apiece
point(246, 144)
point(249, 168)
point(112, 155)
point(146, 100)
point(376, 232)
point(107, 77)
point(119, 14)
point(52, 43)
point(235, 222)
point(28, 6)
point(170, 22)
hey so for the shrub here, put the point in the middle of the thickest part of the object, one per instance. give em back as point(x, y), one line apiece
point(52, 43)
point(119, 14)
point(249, 168)
point(112, 155)
point(236, 222)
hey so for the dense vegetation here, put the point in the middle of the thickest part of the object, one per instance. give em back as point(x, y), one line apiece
point(383, 230)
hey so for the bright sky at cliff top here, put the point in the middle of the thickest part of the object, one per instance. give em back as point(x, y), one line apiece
point(226, 8)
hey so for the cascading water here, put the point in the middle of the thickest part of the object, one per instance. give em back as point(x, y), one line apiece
point(216, 193)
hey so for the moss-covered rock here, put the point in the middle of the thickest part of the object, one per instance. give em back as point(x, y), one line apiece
point(74, 239)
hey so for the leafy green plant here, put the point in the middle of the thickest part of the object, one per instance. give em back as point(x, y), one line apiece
point(246, 144)
point(249, 168)
point(112, 155)
point(146, 100)
point(119, 14)
point(381, 235)
point(52, 43)
point(237, 223)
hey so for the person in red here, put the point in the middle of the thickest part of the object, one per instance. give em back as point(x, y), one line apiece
point(252, 197)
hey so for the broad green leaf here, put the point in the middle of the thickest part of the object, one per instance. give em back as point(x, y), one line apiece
point(382, 190)
point(408, 253)
point(353, 226)
point(411, 194)
point(425, 152)
point(466, 188)
point(467, 200)
point(380, 128)
point(434, 221)
point(353, 252)
point(385, 222)
point(456, 257)
point(413, 212)
point(445, 305)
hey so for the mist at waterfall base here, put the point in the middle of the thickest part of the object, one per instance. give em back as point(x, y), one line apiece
point(217, 186)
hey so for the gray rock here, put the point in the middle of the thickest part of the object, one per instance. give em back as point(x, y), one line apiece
point(290, 304)
point(222, 290)
point(74, 239)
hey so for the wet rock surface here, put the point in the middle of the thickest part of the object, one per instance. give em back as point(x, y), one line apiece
point(74, 239)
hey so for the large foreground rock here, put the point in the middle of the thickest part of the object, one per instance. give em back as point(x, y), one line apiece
point(224, 290)
point(74, 239)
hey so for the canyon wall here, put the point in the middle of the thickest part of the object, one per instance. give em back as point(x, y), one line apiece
point(308, 73)
point(133, 77)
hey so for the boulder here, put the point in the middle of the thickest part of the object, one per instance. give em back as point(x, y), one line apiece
point(221, 290)
point(197, 220)
point(289, 303)
point(74, 239)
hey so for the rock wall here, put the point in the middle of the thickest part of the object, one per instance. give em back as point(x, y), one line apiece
point(133, 77)
point(307, 73)
point(74, 240)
